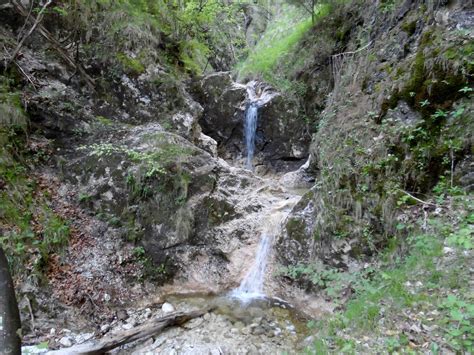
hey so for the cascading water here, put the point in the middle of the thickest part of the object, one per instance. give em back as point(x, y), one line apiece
point(250, 129)
point(251, 286)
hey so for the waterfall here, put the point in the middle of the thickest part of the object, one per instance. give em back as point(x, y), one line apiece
point(250, 129)
point(251, 286)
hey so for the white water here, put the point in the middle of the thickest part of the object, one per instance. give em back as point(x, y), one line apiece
point(258, 95)
point(251, 286)
point(250, 129)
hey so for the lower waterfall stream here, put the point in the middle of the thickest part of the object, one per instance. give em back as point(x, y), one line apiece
point(247, 320)
point(251, 286)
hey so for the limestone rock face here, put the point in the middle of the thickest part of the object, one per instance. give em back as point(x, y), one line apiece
point(295, 244)
point(282, 135)
point(224, 103)
point(256, 19)
point(281, 138)
point(148, 182)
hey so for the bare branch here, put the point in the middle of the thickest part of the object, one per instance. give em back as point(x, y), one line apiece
point(20, 33)
point(421, 201)
point(35, 24)
point(56, 45)
point(150, 328)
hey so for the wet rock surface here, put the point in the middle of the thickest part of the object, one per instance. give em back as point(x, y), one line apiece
point(281, 138)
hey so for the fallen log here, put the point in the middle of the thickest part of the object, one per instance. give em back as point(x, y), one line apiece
point(152, 327)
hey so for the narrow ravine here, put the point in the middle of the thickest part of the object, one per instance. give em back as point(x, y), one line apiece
point(221, 177)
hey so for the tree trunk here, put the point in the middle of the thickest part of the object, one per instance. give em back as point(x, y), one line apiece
point(10, 324)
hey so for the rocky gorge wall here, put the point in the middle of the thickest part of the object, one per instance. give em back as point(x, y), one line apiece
point(399, 119)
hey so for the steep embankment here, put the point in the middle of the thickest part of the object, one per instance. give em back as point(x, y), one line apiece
point(392, 146)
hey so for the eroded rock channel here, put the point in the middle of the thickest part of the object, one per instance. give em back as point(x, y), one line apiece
point(206, 207)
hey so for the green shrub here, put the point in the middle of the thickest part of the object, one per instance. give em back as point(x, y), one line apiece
point(279, 40)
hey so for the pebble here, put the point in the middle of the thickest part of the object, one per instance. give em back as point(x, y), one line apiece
point(127, 326)
point(167, 308)
point(308, 341)
point(147, 313)
point(448, 250)
point(122, 315)
point(132, 321)
point(65, 341)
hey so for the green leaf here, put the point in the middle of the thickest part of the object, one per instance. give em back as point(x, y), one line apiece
point(456, 315)
point(42, 345)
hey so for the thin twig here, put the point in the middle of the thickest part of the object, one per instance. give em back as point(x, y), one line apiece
point(20, 33)
point(452, 167)
point(25, 75)
point(354, 52)
point(31, 313)
point(421, 201)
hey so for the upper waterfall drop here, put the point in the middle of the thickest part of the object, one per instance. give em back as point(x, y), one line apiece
point(258, 94)
point(250, 130)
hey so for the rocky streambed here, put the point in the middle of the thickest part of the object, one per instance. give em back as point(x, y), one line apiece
point(263, 326)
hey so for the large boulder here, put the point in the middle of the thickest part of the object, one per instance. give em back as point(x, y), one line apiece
point(224, 106)
point(147, 182)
